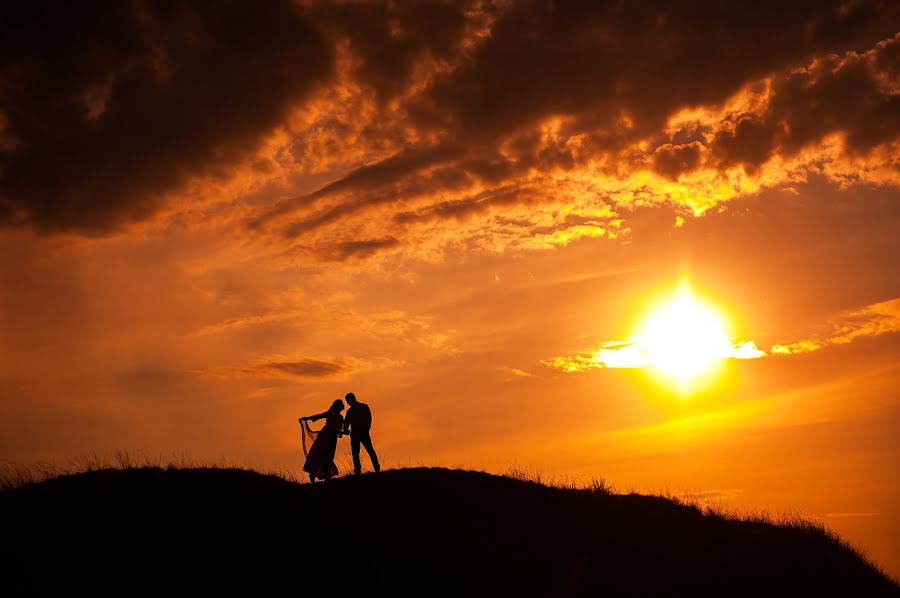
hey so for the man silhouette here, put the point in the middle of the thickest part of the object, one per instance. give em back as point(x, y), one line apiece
point(358, 423)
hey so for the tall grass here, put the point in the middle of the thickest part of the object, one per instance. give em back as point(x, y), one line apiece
point(534, 475)
point(709, 506)
point(15, 475)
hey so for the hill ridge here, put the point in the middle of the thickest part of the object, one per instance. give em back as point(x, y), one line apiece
point(435, 531)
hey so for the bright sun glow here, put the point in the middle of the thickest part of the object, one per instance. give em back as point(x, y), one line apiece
point(685, 338)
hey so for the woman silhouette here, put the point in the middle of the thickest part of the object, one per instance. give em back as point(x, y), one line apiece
point(320, 459)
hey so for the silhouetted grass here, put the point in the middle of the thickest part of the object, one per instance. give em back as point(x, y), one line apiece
point(14, 475)
point(132, 523)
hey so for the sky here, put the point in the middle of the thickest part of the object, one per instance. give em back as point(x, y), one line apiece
point(217, 218)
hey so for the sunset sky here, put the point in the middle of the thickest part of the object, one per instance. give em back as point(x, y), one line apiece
point(217, 218)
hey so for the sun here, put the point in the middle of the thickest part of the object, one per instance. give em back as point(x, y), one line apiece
point(685, 338)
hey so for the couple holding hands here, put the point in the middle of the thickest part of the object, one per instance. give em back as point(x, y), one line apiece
point(357, 424)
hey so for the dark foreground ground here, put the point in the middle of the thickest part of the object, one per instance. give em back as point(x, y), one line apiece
point(417, 532)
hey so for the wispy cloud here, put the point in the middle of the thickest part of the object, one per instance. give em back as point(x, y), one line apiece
point(636, 353)
point(298, 368)
point(250, 320)
point(682, 336)
point(873, 320)
point(515, 372)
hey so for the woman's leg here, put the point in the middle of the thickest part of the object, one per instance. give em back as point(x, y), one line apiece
point(312, 479)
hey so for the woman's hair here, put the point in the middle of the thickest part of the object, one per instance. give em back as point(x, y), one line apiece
point(338, 405)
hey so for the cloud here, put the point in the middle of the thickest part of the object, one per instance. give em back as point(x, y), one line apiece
point(303, 369)
point(106, 108)
point(441, 125)
point(366, 247)
point(873, 320)
point(797, 347)
point(515, 372)
point(636, 353)
point(332, 316)
point(307, 368)
point(682, 336)
point(672, 160)
point(611, 108)
point(275, 317)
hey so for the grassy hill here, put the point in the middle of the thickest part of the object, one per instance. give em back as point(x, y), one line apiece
point(402, 532)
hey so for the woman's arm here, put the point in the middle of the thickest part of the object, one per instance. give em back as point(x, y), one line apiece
point(346, 429)
point(313, 418)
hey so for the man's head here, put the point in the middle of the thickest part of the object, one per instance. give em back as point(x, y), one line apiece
point(350, 398)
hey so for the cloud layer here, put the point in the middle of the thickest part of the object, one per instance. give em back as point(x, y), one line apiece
point(104, 108)
point(873, 320)
point(485, 125)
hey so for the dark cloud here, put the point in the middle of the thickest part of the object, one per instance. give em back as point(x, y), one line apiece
point(304, 369)
point(671, 160)
point(748, 141)
point(614, 73)
point(598, 60)
point(855, 94)
point(849, 94)
point(107, 107)
point(462, 208)
point(385, 171)
point(307, 368)
point(366, 247)
point(109, 104)
point(390, 39)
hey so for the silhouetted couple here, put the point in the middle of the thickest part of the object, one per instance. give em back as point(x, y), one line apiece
point(358, 425)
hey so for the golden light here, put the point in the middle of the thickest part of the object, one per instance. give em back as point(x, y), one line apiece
point(685, 338)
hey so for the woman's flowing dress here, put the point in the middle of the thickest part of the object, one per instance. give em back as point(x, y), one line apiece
point(320, 459)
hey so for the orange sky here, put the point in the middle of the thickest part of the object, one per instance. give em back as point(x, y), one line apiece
point(428, 206)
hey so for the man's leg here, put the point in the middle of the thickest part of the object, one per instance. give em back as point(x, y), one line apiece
point(354, 448)
point(367, 442)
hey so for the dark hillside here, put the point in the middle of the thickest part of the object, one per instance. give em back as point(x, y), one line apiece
point(402, 532)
